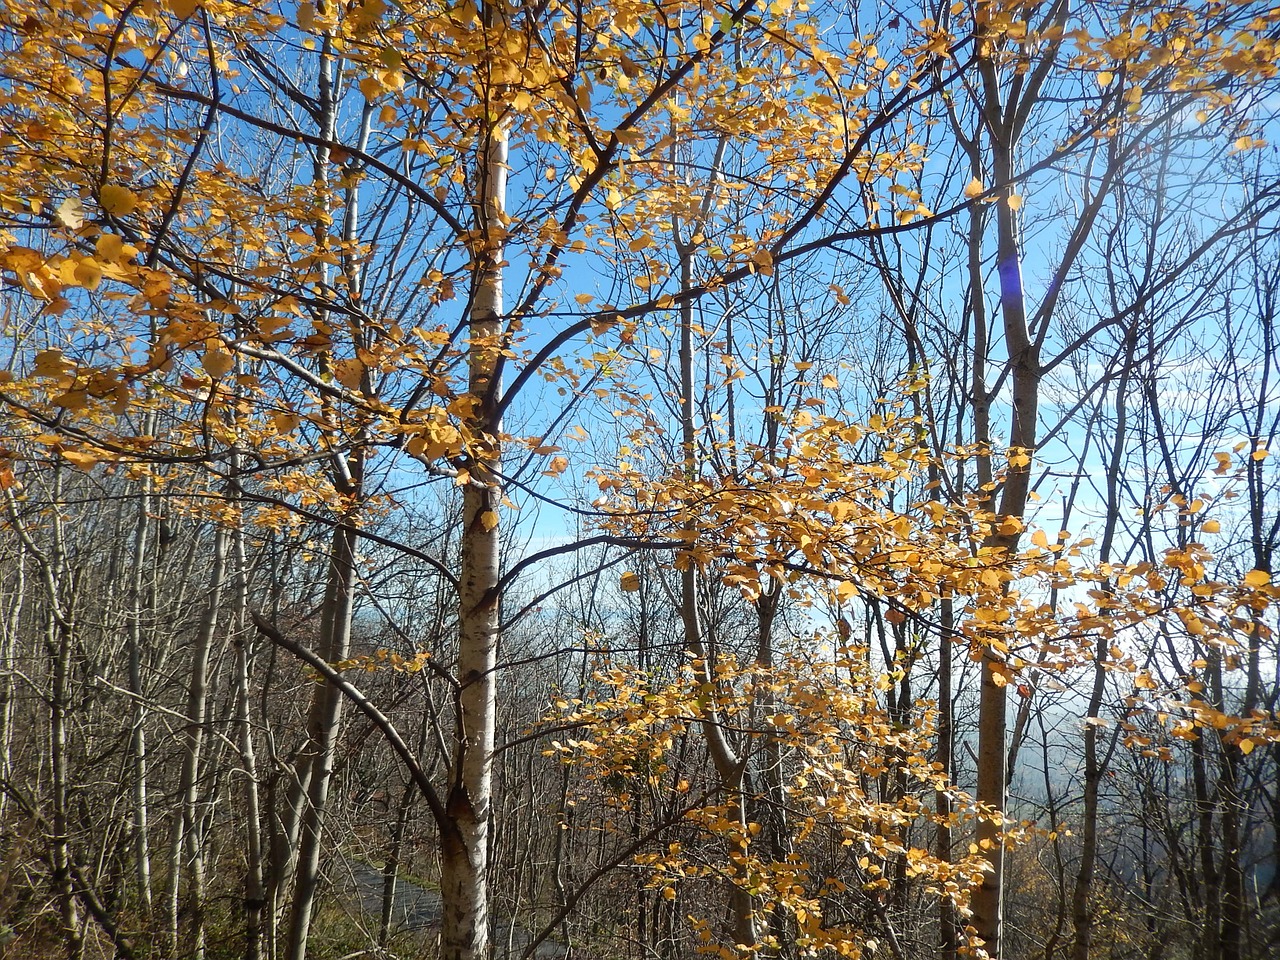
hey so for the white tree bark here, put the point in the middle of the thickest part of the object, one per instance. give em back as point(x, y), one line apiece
point(465, 834)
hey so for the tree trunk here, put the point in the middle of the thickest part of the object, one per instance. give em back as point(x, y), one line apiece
point(993, 696)
point(186, 850)
point(322, 734)
point(140, 609)
point(1081, 906)
point(391, 868)
point(1209, 942)
point(728, 766)
point(1004, 123)
point(465, 834)
point(59, 641)
point(949, 930)
point(254, 889)
point(14, 604)
point(59, 636)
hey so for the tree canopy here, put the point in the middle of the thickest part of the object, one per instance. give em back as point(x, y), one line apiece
point(649, 436)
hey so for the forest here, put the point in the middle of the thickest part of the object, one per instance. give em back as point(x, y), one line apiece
point(639, 479)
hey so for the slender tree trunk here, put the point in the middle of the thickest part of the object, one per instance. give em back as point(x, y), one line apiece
point(1209, 942)
point(391, 868)
point(254, 887)
point(8, 649)
point(59, 638)
point(59, 641)
point(729, 767)
point(308, 801)
point(1082, 912)
point(773, 810)
point(991, 720)
point(322, 734)
point(283, 845)
point(1003, 123)
point(186, 850)
point(993, 694)
point(464, 839)
point(139, 611)
point(949, 930)
point(1231, 803)
point(1233, 896)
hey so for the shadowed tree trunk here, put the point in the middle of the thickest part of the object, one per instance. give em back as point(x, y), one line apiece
point(322, 732)
point(187, 845)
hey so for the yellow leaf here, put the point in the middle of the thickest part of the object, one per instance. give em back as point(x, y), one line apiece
point(110, 248)
point(88, 273)
point(1260, 454)
point(973, 188)
point(488, 520)
point(285, 422)
point(1105, 78)
point(1040, 539)
point(1246, 747)
point(117, 201)
point(50, 363)
point(583, 299)
point(830, 381)
point(183, 8)
point(217, 362)
point(349, 373)
point(1257, 578)
point(630, 582)
point(85, 461)
point(1211, 526)
point(1015, 202)
point(71, 400)
point(70, 213)
point(600, 325)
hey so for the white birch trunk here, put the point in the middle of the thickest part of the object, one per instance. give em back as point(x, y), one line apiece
point(137, 734)
point(465, 835)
